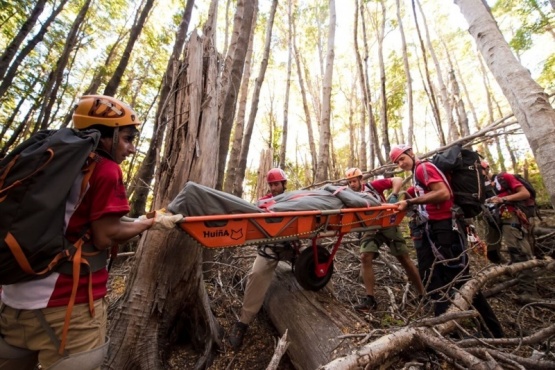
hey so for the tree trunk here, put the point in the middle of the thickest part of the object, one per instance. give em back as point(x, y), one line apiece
point(366, 108)
point(165, 295)
point(10, 51)
point(529, 102)
point(231, 89)
point(314, 320)
point(143, 178)
point(254, 103)
point(380, 35)
point(323, 150)
point(113, 84)
point(238, 134)
point(283, 148)
point(308, 120)
point(410, 104)
point(428, 86)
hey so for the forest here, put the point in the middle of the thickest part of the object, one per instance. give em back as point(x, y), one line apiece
point(226, 90)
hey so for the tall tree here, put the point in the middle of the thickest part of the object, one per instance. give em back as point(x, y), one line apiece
point(254, 102)
point(529, 102)
point(230, 90)
point(406, 66)
point(287, 86)
point(136, 29)
point(239, 130)
point(324, 145)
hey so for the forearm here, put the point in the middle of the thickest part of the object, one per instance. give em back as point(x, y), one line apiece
point(107, 232)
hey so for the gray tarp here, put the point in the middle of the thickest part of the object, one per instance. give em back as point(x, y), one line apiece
point(199, 200)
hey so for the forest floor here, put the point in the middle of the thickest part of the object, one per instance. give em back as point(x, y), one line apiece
point(518, 314)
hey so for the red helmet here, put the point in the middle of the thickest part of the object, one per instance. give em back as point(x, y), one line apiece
point(352, 173)
point(397, 151)
point(275, 175)
point(485, 165)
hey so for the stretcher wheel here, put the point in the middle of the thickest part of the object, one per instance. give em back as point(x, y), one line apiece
point(305, 269)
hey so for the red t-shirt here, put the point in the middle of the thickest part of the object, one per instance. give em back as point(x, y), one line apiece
point(105, 196)
point(379, 186)
point(512, 187)
point(426, 174)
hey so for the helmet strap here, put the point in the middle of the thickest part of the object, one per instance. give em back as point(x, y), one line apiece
point(115, 143)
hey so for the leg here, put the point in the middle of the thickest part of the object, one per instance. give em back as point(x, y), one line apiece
point(398, 248)
point(368, 272)
point(493, 325)
point(258, 282)
point(493, 240)
point(412, 273)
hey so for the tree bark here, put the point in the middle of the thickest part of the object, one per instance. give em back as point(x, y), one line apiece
point(324, 145)
point(410, 104)
point(528, 100)
point(231, 89)
point(254, 102)
point(283, 149)
point(165, 295)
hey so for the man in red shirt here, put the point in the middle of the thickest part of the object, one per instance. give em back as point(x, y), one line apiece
point(439, 237)
point(510, 225)
point(262, 270)
point(371, 241)
point(33, 313)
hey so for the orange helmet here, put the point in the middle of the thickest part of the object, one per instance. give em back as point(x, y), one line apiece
point(275, 175)
point(397, 151)
point(352, 173)
point(102, 110)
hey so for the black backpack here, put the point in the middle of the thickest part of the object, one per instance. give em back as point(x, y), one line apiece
point(528, 206)
point(463, 171)
point(36, 179)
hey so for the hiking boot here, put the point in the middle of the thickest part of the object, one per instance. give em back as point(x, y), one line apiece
point(235, 338)
point(368, 303)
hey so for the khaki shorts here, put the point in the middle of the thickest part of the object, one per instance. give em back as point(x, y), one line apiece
point(21, 328)
point(371, 241)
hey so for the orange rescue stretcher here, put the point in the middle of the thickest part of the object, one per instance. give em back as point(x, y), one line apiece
point(312, 266)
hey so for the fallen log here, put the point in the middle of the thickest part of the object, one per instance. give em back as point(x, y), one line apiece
point(314, 320)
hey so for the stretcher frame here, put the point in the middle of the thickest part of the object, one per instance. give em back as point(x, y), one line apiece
point(314, 265)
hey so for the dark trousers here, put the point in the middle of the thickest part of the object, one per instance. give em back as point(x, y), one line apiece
point(437, 242)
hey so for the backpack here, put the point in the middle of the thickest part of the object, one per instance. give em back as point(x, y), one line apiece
point(462, 169)
point(528, 206)
point(36, 180)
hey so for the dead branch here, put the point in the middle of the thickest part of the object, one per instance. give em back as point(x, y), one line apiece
point(390, 345)
point(440, 344)
point(524, 362)
point(279, 352)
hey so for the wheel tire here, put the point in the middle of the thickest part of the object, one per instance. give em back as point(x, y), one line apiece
point(305, 270)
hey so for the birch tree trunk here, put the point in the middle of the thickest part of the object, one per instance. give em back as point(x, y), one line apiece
point(165, 295)
point(324, 145)
point(283, 148)
point(308, 120)
point(406, 67)
point(529, 102)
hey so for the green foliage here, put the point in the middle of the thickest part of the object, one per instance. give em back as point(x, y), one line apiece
point(390, 321)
